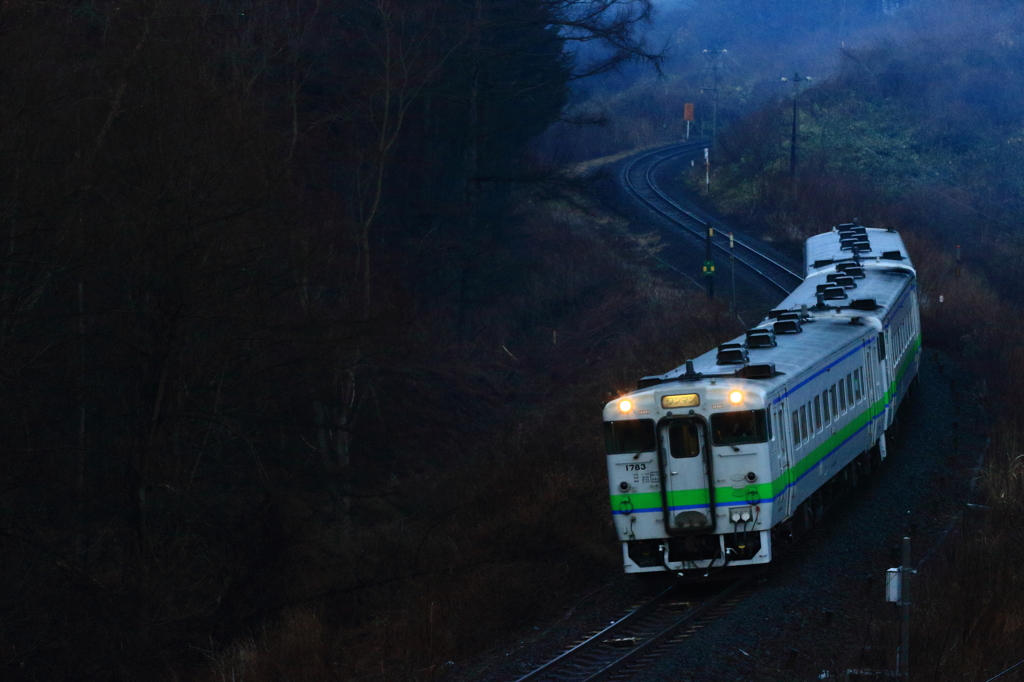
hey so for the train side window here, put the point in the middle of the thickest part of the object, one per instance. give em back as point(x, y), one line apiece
point(824, 406)
point(835, 405)
point(849, 390)
point(803, 422)
point(856, 383)
point(817, 413)
point(796, 429)
point(842, 396)
point(881, 347)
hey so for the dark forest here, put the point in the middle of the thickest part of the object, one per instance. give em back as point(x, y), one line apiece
point(306, 320)
point(251, 251)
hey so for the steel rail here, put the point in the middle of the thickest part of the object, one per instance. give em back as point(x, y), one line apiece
point(694, 217)
point(592, 641)
point(556, 667)
point(699, 233)
point(656, 639)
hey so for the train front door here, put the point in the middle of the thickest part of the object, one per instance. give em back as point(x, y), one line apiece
point(687, 495)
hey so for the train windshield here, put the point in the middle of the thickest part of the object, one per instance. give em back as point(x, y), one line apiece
point(629, 435)
point(737, 428)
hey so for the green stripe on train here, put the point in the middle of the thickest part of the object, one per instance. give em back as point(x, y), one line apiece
point(763, 491)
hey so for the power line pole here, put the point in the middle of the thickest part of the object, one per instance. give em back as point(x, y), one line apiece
point(797, 79)
point(732, 267)
point(713, 59)
point(904, 658)
point(709, 265)
point(897, 589)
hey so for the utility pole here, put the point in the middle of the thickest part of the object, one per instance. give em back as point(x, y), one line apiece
point(797, 79)
point(732, 267)
point(904, 657)
point(709, 265)
point(897, 589)
point(707, 172)
point(713, 59)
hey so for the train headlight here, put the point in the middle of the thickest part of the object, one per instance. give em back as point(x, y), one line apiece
point(735, 397)
point(625, 406)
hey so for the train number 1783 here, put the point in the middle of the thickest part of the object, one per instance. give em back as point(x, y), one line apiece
point(636, 467)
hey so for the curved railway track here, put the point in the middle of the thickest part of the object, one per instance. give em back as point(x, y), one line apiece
point(618, 650)
point(681, 610)
point(637, 177)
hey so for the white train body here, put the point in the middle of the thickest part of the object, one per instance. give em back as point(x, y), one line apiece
point(714, 461)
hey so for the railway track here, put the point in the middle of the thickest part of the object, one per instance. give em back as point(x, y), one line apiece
point(627, 644)
point(637, 177)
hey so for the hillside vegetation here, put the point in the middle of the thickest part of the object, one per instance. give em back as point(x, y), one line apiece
point(923, 133)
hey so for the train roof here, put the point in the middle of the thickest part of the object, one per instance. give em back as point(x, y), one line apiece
point(821, 317)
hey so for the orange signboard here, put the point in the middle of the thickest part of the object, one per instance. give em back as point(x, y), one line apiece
point(687, 112)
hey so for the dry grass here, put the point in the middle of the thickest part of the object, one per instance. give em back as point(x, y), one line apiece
point(455, 554)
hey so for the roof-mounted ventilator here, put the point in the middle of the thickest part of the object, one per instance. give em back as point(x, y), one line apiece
point(832, 286)
point(831, 292)
point(864, 304)
point(764, 370)
point(892, 255)
point(731, 354)
point(787, 327)
point(841, 279)
point(851, 269)
point(644, 382)
point(760, 338)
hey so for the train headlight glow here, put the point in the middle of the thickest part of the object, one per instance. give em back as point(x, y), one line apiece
point(735, 397)
point(625, 406)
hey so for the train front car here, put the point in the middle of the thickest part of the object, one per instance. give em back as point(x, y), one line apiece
point(748, 444)
point(670, 449)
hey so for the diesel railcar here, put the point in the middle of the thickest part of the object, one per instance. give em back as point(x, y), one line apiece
point(736, 452)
